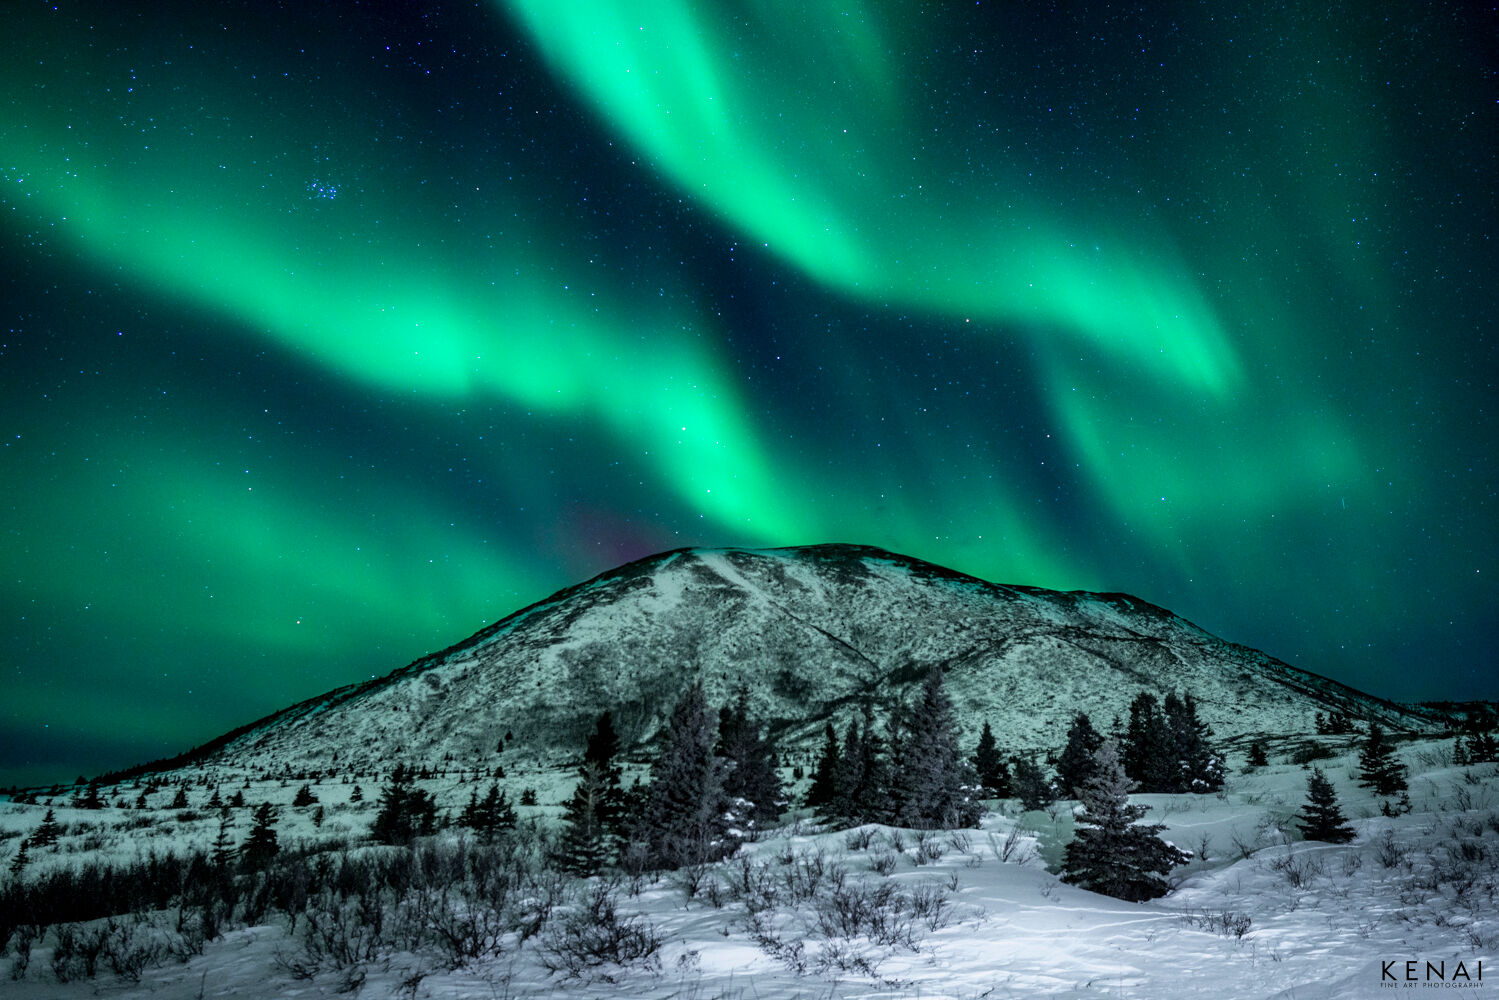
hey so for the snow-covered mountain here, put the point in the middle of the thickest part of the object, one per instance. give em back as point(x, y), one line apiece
point(814, 633)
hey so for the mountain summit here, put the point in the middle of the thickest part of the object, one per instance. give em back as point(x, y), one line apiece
point(814, 633)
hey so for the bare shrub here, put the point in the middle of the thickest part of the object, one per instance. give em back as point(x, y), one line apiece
point(960, 841)
point(1229, 923)
point(1298, 868)
point(1013, 848)
point(595, 942)
point(20, 943)
point(928, 848)
point(860, 839)
point(931, 903)
point(884, 862)
point(130, 946)
point(76, 955)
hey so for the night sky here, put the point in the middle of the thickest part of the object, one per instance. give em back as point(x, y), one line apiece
point(333, 331)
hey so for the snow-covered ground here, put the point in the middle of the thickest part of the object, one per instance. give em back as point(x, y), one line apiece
point(804, 913)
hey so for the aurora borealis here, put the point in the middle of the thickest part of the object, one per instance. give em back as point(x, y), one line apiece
point(334, 332)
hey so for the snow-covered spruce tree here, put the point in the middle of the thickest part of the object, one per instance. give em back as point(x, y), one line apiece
point(1112, 854)
point(989, 765)
point(684, 819)
point(820, 793)
point(1075, 767)
point(1378, 767)
point(1196, 767)
point(405, 812)
point(304, 797)
point(1147, 753)
point(750, 775)
point(932, 784)
point(1321, 818)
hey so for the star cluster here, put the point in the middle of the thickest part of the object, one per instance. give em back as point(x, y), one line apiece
point(332, 333)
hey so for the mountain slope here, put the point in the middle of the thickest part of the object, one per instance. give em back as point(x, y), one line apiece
point(814, 633)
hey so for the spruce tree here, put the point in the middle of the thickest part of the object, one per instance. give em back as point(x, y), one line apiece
point(1257, 757)
point(262, 844)
point(587, 846)
point(821, 791)
point(91, 799)
point(223, 843)
point(304, 797)
point(1379, 768)
point(405, 811)
point(1112, 853)
point(1075, 767)
point(356, 794)
point(843, 804)
point(1193, 767)
point(993, 776)
point(1147, 753)
point(490, 816)
point(179, 801)
point(20, 861)
point(1321, 818)
point(46, 834)
point(683, 820)
point(749, 775)
point(1031, 786)
point(932, 782)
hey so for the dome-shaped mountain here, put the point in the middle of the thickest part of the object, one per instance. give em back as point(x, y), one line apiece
point(814, 633)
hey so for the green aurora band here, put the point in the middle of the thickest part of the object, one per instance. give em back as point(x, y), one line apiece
point(1133, 336)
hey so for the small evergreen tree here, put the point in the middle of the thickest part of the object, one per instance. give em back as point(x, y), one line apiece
point(749, 775)
point(844, 805)
point(587, 846)
point(1075, 768)
point(262, 844)
point(237, 800)
point(1379, 768)
point(1321, 818)
point(1194, 765)
point(20, 861)
point(821, 791)
point(47, 833)
point(1257, 757)
point(304, 797)
point(490, 816)
point(405, 811)
point(1031, 785)
point(684, 819)
point(993, 776)
point(1112, 853)
point(932, 782)
point(223, 843)
point(91, 799)
point(179, 801)
point(356, 794)
point(1148, 753)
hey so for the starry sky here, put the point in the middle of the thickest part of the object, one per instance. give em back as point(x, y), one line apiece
point(332, 331)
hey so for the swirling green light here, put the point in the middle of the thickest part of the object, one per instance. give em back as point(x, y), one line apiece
point(858, 185)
